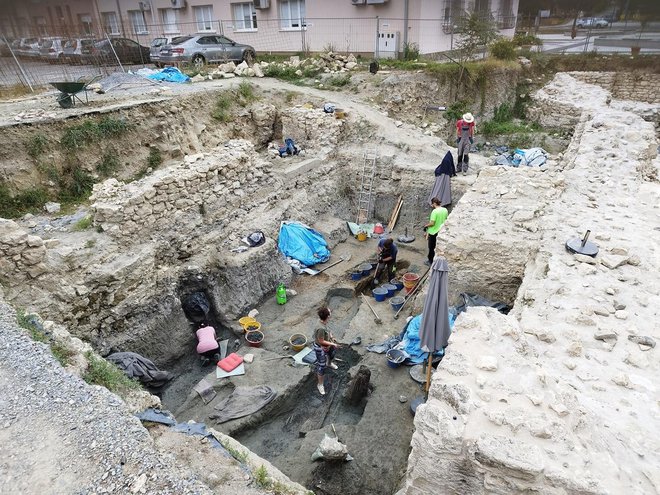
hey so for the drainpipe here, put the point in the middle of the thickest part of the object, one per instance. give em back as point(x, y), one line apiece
point(405, 23)
point(121, 19)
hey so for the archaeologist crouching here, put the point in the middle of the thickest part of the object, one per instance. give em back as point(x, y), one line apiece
point(207, 345)
point(387, 252)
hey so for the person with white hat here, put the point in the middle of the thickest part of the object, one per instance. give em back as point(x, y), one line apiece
point(464, 138)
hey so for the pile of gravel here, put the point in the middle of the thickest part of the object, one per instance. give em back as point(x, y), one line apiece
point(60, 435)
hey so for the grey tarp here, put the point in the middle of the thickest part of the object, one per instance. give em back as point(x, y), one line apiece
point(435, 329)
point(243, 401)
point(140, 368)
point(441, 190)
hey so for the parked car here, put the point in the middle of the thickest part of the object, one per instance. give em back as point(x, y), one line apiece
point(52, 50)
point(28, 47)
point(128, 52)
point(205, 48)
point(600, 23)
point(75, 48)
point(155, 46)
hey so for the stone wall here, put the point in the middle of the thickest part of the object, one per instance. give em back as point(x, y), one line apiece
point(560, 395)
point(639, 86)
point(22, 255)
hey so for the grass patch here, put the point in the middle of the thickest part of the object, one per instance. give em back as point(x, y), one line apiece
point(83, 224)
point(502, 123)
point(155, 158)
point(290, 96)
point(456, 110)
point(28, 201)
point(410, 51)
point(90, 131)
point(222, 106)
point(75, 184)
point(106, 374)
point(108, 164)
point(338, 81)
point(261, 477)
point(36, 145)
point(90, 243)
point(246, 93)
point(62, 353)
point(235, 453)
point(287, 73)
point(31, 323)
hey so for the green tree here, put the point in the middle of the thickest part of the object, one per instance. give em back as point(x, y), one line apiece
point(475, 33)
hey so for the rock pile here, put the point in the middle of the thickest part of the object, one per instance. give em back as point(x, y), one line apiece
point(326, 62)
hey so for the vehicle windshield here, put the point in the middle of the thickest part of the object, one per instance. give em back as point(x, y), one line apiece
point(86, 42)
point(158, 42)
point(181, 39)
point(71, 44)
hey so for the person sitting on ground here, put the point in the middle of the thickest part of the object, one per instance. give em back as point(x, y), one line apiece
point(324, 347)
point(438, 217)
point(207, 345)
point(387, 252)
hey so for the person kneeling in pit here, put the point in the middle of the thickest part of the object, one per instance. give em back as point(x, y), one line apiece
point(324, 347)
point(207, 345)
point(387, 252)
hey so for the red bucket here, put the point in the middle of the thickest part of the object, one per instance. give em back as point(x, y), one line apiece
point(410, 281)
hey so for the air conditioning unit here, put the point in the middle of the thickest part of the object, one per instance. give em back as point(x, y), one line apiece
point(178, 4)
point(374, 2)
point(261, 4)
point(145, 6)
point(358, 2)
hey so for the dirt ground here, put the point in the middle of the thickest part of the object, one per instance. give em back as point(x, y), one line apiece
point(287, 431)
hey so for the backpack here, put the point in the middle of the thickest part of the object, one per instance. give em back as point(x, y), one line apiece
point(289, 148)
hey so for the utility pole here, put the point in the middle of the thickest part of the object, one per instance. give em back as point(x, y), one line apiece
point(405, 24)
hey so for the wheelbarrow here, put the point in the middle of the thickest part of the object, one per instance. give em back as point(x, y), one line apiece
point(69, 90)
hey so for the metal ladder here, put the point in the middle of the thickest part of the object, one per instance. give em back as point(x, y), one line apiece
point(366, 186)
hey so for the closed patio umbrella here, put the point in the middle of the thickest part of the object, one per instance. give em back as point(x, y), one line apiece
point(435, 329)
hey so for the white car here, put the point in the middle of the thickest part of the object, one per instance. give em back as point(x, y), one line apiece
point(600, 23)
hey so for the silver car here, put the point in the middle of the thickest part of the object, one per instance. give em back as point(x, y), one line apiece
point(52, 50)
point(202, 49)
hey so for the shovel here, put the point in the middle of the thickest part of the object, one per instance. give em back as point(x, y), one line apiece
point(316, 272)
point(376, 317)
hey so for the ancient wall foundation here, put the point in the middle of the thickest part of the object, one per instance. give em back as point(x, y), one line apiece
point(638, 86)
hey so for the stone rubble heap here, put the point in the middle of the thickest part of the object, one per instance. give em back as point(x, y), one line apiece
point(561, 395)
point(329, 63)
point(21, 254)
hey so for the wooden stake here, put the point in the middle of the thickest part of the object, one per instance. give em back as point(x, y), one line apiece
point(396, 216)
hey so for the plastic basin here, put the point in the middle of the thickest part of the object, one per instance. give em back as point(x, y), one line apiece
point(396, 282)
point(379, 294)
point(252, 326)
point(365, 268)
point(298, 341)
point(391, 289)
point(397, 302)
point(356, 275)
point(245, 320)
point(254, 338)
point(410, 281)
point(394, 358)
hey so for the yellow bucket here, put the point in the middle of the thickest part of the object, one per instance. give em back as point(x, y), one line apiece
point(246, 320)
point(362, 236)
point(252, 326)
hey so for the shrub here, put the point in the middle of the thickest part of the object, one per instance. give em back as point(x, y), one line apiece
point(456, 110)
point(36, 145)
point(155, 158)
point(83, 224)
point(31, 323)
point(61, 352)
point(503, 49)
point(75, 183)
point(410, 51)
point(261, 477)
point(503, 113)
point(339, 81)
point(521, 39)
point(222, 105)
point(30, 200)
point(106, 374)
point(80, 135)
point(246, 93)
point(108, 164)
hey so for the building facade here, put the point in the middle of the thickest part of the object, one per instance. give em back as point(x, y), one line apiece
point(360, 26)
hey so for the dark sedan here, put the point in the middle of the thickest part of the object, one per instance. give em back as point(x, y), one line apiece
point(108, 51)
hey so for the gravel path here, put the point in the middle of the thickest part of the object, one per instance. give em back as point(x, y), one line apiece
point(59, 435)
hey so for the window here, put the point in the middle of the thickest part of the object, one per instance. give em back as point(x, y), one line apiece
point(170, 20)
point(40, 22)
point(204, 17)
point(85, 22)
point(245, 17)
point(292, 14)
point(110, 23)
point(138, 22)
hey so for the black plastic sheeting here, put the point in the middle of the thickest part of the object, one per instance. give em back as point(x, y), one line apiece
point(196, 307)
point(477, 300)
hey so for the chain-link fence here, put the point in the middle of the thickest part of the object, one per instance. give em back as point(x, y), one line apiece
point(45, 54)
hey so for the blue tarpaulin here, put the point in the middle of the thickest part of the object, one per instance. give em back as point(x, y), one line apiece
point(411, 343)
point(169, 74)
point(302, 243)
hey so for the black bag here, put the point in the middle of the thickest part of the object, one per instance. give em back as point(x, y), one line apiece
point(196, 307)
